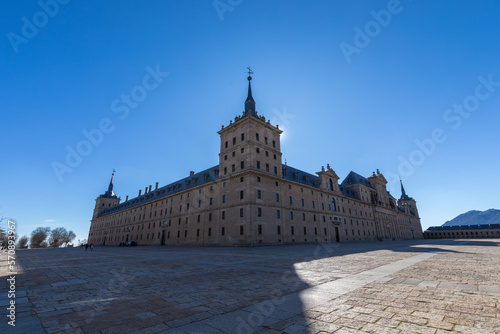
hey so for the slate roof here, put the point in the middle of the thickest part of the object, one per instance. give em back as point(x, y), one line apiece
point(203, 177)
point(355, 178)
point(297, 175)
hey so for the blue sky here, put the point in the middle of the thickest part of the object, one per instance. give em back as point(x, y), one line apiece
point(409, 87)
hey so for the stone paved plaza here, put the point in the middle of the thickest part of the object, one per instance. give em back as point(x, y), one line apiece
point(421, 286)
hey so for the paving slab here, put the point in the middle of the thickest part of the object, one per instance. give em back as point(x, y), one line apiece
point(417, 286)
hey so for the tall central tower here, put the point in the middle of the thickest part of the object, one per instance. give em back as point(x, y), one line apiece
point(250, 143)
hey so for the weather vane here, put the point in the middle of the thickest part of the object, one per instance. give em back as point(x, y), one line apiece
point(250, 72)
point(114, 171)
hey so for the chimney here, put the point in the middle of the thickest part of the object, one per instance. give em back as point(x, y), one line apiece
point(145, 190)
point(191, 173)
point(149, 189)
point(140, 192)
point(156, 187)
point(126, 199)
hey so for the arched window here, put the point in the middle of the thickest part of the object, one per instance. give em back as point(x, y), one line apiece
point(333, 204)
point(331, 185)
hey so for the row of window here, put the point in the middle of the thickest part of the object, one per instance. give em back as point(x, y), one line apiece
point(257, 138)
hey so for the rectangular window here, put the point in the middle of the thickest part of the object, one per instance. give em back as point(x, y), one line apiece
point(290, 199)
point(225, 170)
point(242, 194)
point(223, 198)
point(277, 213)
point(223, 215)
point(242, 179)
point(223, 231)
point(267, 167)
point(302, 202)
point(242, 150)
point(209, 231)
point(226, 144)
point(279, 229)
point(198, 232)
point(234, 141)
point(257, 150)
point(199, 203)
point(242, 137)
point(259, 212)
point(315, 231)
point(233, 167)
point(259, 194)
point(265, 140)
point(260, 229)
point(257, 137)
point(241, 212)
point(292, 230)
point(242, 164)
point(274, 143)
point(225, 157)
point(277, 197)
point(275, 170)
point(258, 178)
point(291, 215)
point(211, 200)
point(305, 230)
point(258, 164)
point(210, 217)
point(199, 217)
point(303, 216)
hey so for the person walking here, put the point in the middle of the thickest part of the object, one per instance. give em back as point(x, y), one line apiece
point(91, 247)
point(86, 247)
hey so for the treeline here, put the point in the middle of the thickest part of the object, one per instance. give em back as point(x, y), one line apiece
point(43, 237)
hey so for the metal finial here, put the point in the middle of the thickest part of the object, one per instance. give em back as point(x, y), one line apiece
point(250, 72)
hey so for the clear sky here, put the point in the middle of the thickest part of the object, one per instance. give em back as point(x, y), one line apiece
point(409, 87)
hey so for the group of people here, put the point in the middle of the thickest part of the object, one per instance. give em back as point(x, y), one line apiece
point(87, 246)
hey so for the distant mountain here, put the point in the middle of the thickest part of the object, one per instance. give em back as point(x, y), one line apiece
point(475, 217)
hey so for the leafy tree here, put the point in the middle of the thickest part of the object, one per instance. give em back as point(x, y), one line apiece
point(23, 242)
point(38, 237)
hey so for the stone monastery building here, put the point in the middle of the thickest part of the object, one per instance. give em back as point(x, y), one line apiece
point(252, 198)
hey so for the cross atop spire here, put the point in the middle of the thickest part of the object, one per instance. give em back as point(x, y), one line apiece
point(250, 103)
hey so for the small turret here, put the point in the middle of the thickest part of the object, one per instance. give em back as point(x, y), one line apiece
point(106, 200)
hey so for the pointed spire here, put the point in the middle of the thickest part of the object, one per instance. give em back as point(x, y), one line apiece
point(250, 102)
point(110, 187)
point(109, 193)
point(403, 192)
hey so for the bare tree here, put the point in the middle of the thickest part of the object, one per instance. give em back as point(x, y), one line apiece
point(23, 242)
point(57, 236)
point(3, 233)
point(38, 237)
point(68, 237)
